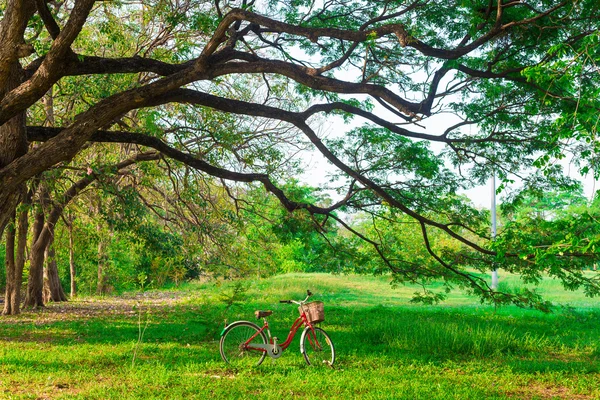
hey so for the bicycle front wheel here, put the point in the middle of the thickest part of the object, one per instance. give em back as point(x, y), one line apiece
point(237, 343)
point(317, 347)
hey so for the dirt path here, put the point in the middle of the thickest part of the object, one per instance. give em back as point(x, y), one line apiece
point(95, 307)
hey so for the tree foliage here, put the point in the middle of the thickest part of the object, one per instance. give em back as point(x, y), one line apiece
point(439, 95)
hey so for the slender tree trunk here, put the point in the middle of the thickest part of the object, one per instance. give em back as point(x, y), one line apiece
point(101, 262)
point(72, 257)
point(46, 290)
point(8, 206)
point(20, 261)
point(48, 102)
point(53, 290)
point(10, 268)
point(101, 250)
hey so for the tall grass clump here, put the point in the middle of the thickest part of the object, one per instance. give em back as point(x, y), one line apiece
point(443, 335)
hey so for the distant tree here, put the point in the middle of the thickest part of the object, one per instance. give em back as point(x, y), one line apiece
point(43, 239)
point(554, 228)
point(270, 239)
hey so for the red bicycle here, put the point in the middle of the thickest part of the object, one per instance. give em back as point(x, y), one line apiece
point(243, 343)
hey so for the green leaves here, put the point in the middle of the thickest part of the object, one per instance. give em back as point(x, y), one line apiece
point(408, 169)
point(552, 233)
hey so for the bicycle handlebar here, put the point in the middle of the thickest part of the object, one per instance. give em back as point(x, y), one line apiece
point(308, 294)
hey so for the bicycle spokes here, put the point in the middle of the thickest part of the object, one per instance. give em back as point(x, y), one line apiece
point(240, 345)
point(314, 342)
point(317, 347)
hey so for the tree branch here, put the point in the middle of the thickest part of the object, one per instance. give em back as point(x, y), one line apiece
point(49, 71)
point(44, 134)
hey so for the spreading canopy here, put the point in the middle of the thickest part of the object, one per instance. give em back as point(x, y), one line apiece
point(438, 95)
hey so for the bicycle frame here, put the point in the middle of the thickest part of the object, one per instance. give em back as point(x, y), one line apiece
point(299, 322)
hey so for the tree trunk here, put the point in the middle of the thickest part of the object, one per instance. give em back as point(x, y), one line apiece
point(72, 257)
point(101, 250)
point(101, 263)
point(48, 102)
point(13, 140)
point(14, 279)
point(13, 144)
point(35, 283)
point(8, 205)
point(10, 268)
point(21, 245)
point(53, 290)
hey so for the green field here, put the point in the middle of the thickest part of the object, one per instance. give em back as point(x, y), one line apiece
point(164, 344)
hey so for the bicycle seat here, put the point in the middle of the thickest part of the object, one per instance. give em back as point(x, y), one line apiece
point(261, 314)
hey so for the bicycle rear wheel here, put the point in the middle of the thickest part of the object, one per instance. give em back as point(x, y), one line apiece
point(236, 344)
point(317, 347)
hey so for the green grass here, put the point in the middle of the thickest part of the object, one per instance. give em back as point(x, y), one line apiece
point(387, 348)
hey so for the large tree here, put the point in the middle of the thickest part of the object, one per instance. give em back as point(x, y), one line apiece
point(496, 85)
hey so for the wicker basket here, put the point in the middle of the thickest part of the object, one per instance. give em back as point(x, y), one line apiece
point(315, 311)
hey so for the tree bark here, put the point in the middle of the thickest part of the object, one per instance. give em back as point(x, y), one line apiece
point(35, 284)
point(10, 267)
point(13, 144)
point(48, 102)
point(53, 290)
point(13, 140)
point(21, 246)
point(14, 278)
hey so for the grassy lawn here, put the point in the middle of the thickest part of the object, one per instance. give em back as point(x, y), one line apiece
point(164, 344)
